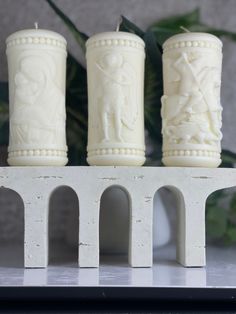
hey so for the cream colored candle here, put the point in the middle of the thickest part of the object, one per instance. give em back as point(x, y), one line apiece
point(37, 68)
point(115, 67)
point(191, 108)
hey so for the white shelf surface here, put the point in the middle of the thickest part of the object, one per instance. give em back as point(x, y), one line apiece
point(114, 271)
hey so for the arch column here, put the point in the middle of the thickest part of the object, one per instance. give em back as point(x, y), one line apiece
point(191, 228)
point(36, 229)
point(141, 239)
point(89, 229)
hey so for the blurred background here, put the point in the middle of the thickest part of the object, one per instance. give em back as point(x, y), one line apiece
point(91, 17)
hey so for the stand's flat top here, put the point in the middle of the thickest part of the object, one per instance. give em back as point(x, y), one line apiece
point(134, 172)
point(206, 179)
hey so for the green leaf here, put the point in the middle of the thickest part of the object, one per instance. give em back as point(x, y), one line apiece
point(4, 92)
point(77, 111)
point(153, 87)
point(215, 31)
point(4, 114)
point(230, 234)
point(80, 37)
point(216, 222)
point(232, 209)
point(127, 26)
point(228, 158)
point(213, 199)
point(175, 22)
point(168, 27)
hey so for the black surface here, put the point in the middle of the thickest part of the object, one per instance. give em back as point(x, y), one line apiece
point(111, 306)
point(117, 293)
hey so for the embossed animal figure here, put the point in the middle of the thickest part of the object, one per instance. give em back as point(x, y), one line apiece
point(198, 78)
point(172, 108)
point(190, 132)
point(193, 114)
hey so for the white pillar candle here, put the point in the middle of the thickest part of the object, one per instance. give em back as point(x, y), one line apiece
point(37, 70)
point(191, 108)
point(115, 67)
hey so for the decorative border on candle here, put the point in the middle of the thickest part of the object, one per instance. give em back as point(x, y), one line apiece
point(36, 41)
point(192, 153)
point(37, 152)
point(194, 43)
point(116, 151)
point(115, 42)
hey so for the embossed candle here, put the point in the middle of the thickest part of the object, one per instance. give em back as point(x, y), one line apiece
point(191, 109)
point(37, 68)
point(115, 67)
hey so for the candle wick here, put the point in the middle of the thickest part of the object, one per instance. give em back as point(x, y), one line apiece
point(184, 29)
point(36, 25)
point(118, 24)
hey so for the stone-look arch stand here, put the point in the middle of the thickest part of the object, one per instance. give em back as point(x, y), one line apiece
point(191, 185)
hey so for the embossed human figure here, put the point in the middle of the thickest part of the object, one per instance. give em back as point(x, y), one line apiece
point(114, 80)
point(203, 107)
point(38, 113)
point(198, 110)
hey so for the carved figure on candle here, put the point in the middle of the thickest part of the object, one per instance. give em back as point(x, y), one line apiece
point(34, 86)
point(115, 76)
point(116, 99)
point(192, 114)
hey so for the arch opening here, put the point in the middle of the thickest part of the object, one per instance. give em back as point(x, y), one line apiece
point(114, 225)
point(63, 227)
point(11, 229)
point(221, 217)
point(167, 205)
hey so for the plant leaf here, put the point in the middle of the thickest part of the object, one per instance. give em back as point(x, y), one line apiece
point(230, 234)
point(127, 26)
point(232, 209)
point(153, 87)
point(228, 158)
point(215, 31)
point(216, 222)
point(4, 92)
point(77, 111)
point(168, 27)
point(80, 37)
point(214, 198)
point(4, 114)
point(175, 22)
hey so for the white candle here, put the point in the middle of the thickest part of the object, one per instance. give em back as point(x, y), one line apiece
point(37, 70)
point(191, 108)
point(115, 67)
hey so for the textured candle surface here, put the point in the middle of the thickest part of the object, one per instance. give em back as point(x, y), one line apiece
point(36, 68)
point(115, 67)
point(191, 108)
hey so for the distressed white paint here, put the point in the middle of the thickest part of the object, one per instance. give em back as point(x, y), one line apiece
point(191, 186)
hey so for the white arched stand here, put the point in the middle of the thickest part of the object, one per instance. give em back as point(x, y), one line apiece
point(191, 185)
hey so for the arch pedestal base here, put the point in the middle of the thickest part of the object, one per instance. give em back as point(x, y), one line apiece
point(192, 186)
